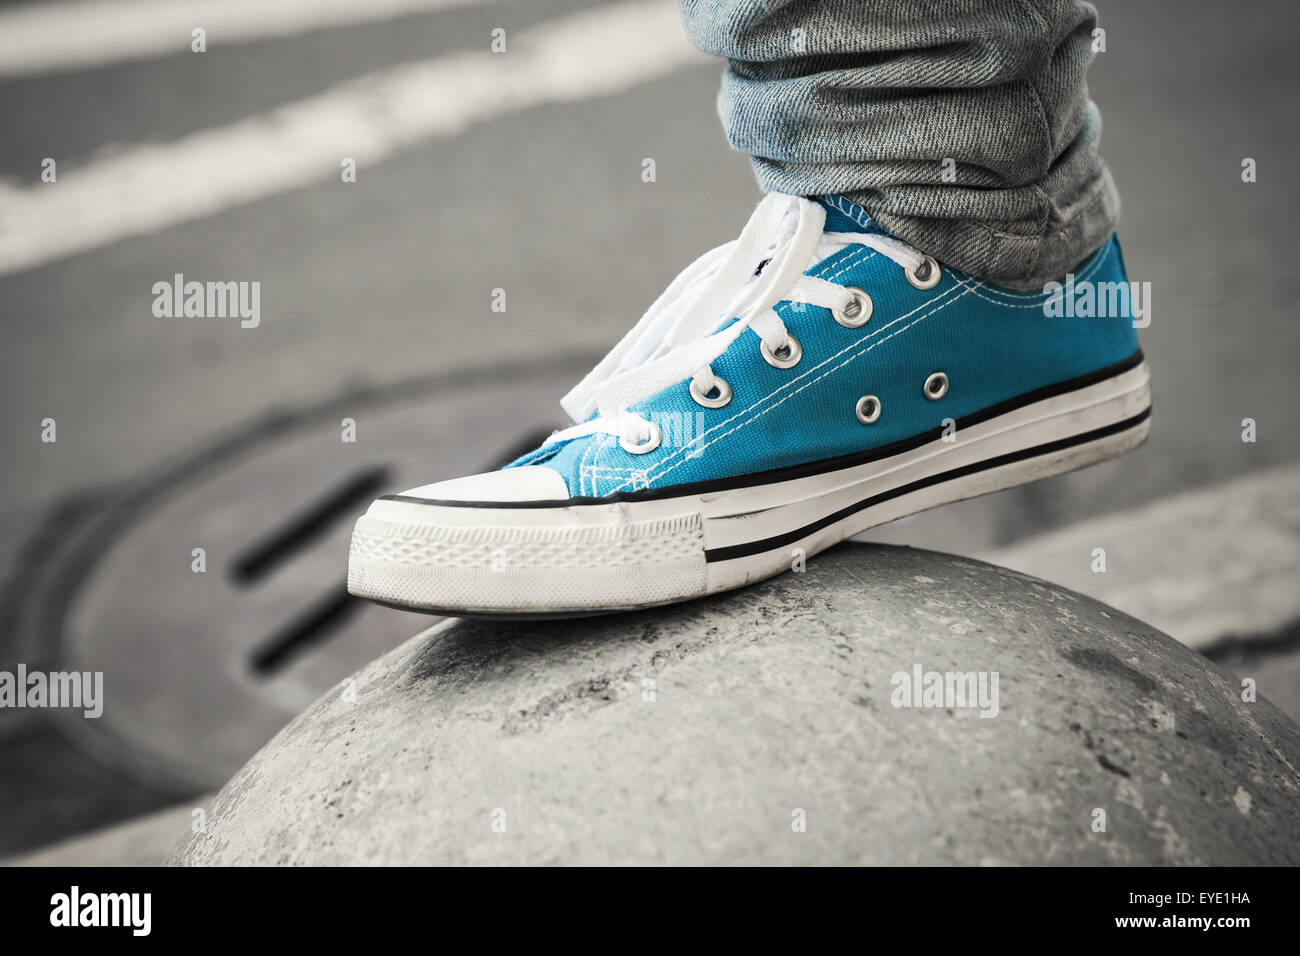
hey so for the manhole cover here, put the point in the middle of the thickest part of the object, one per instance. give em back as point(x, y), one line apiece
point(203, 667)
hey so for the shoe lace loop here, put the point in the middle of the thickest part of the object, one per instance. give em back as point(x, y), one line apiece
point(723, 294)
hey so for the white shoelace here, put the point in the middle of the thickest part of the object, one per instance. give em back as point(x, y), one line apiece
point(687, 329)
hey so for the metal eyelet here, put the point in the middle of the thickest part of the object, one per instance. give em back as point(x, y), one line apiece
point(927, 274)
point(868, 409)
point(792, 350)
point(656, 436)
point(936, 386)
point(857, 312)
point(721, 394)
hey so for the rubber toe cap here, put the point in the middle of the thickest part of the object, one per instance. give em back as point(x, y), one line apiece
point(525, 483)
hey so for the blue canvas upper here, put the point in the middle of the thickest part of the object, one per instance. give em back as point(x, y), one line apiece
point(994, 345)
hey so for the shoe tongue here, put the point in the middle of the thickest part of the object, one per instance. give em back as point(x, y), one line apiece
point(843, 215)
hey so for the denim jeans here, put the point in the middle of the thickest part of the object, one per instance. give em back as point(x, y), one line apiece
point(961, 126)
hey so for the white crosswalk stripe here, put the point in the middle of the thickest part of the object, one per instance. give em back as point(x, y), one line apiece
point(78, 34)
point(140, 189)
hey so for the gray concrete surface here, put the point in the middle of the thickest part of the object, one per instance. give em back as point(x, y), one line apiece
point(761, 728)
point(1215, 568)
point(1206, 565)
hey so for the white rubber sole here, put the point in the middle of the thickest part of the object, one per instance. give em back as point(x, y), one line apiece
point(587, 558)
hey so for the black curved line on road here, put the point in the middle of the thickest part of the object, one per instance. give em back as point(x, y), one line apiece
point(325, 616)
point(299, 532)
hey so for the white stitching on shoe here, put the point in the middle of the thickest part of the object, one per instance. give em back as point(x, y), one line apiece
point(946, 294)
point(760, 414)
point(596, 472)
point(969, 285)
point(637, 477)
point(692, 449)
point(1038, 297)
point(590, 471)
point(854, 259)
point(584, 470)
point(862, 220)
point(850, 261)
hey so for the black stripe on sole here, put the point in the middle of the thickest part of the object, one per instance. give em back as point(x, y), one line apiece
point(734, 551)
point(771, 476)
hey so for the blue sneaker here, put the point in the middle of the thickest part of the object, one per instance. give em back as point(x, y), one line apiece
point(812, 379)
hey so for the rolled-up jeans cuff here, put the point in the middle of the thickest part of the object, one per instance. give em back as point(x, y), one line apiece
point(1018, 255)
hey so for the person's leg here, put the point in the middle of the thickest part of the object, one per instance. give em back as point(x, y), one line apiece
point(961, 126)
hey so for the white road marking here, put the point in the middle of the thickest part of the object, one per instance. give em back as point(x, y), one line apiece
point(78, 34)
point(141, 189)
